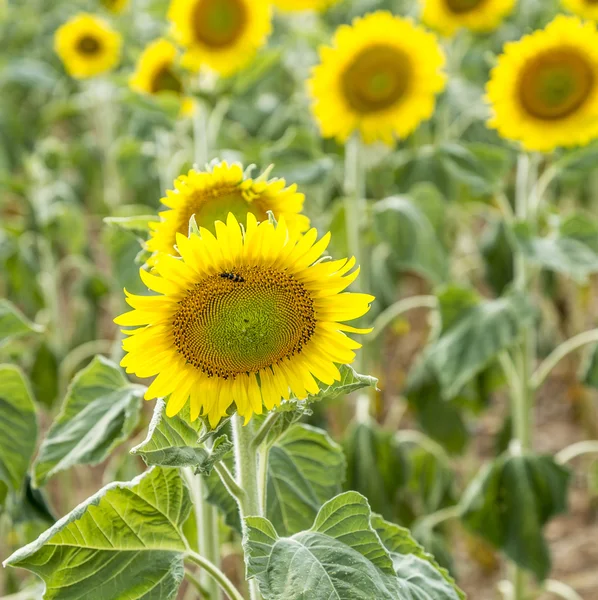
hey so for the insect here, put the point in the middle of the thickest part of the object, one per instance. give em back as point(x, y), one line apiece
point(232, 276)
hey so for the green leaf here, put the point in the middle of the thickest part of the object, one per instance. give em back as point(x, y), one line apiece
point(350, 381)
point(126, 541)
point(476, 339)
point(340, 557)
point(376, 465)
point(13, 323)
point(398, 541)
point(219, 496)
point(566, 251)
point(175, 442)
point(305, 469)
point(509, 502)
point(100, 410)
point(138, 223)
point(412, 238)
point(497, 251)
point(18, 428)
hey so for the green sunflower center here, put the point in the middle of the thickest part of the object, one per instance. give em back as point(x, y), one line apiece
point(555, 84)
point(166, 81)
point(88, 45)
point(211, 205)
point(463, 6)
point(243, 320)
point(377, 78)
point(218, 23)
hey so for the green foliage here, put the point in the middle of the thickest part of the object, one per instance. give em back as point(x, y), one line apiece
point(18, 430)
point(509, 502)
point(126, 541)
point(342, 556)
point(350, 381)
point(100, 411)
point(13, 323)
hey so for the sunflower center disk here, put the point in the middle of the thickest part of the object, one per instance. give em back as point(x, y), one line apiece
point(377, 78)
point(218, 23)
point(556, 84)
point(211, 205)
point(243, 320)
point(88, 45)
point(166, 81)
point(463, 6)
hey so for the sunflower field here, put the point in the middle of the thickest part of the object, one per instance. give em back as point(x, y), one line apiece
point(297, 299)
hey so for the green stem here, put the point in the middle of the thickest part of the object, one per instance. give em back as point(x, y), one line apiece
point(246, 463)
point(574, 450)
point(562, 590)
point(222, 581)
point(440, 516)
point(263, 476)
point(200, 136)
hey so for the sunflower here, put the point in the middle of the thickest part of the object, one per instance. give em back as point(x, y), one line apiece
point(87, 45)
point(447, 16)
point(249, 316)
point(212, 195)
point(221, 34)
point(114, 6)
point(156, 73)
point(304, 4)
point(544, 89)
point(588, 9)
point(380, 77)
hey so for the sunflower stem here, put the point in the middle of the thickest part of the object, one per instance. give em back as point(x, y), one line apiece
point(246, 471)
point(222, 581)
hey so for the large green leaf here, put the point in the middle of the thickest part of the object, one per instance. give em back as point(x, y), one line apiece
point(13, 323)
point(511, 500)
point(476, 339)
point(571, 250)
point(18, 428)
point(100, 411)
point(126, 541)
point(305, 469)
point(175, 442)
point(412, 238)
point(340, 557)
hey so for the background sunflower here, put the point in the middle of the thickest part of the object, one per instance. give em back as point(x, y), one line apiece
point(588, 9)
point(304, 4)
point(380, 78)
point(220, 34)
point(88, 46)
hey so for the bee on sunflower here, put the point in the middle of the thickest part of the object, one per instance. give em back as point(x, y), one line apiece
point(248, 316)
point(297, 5)
point(156, 73)
point(114, 6)
point(587, 9)
point(448, 16)
point(223, 35)
point(87, 46)
point(212, 195)
point(380, 77)
point(543, 91)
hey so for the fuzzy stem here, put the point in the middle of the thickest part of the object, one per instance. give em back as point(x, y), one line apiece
point(222, 581)
point(574, 450)
point(246, 463)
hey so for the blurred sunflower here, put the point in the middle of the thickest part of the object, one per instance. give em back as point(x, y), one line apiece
point(304, 4)
point(221, 34)
point(87, 46)
point(588, 9)
point(380, 77)
point(114, 6)
point(212, 195)
point(247, 316)
point(448, 16)
point(156, 73)
point(544, 89)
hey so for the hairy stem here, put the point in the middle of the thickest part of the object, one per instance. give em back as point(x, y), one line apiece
point(222, 581)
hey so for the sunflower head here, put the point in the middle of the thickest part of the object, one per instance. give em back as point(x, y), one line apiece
point(248, 317)
point(448, 16)
point(114, 6)
point(156, 73)
point(588, 9)
point(380, 77)
point(220, 34)
point(211, 195)
point(297, 5)
point(544, 89)
point(88, 46)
